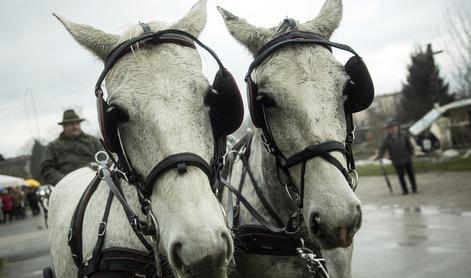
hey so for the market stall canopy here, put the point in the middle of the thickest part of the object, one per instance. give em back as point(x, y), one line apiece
point(9, 181)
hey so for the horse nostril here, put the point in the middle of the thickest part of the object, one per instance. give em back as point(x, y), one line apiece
point(176, 253)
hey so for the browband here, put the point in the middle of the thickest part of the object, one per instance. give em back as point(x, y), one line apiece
point(294, 37)
point(169, 35)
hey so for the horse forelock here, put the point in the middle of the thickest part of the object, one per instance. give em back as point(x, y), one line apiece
point(135, 30)
point(287, 25)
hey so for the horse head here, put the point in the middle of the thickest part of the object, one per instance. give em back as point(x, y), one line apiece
point(303, 90)
point(160, 90)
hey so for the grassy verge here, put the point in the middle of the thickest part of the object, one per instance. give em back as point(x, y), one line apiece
point(455, 164)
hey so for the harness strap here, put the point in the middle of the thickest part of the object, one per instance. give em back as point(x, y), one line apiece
point(349, 140)
point(178, 161)
point(252, 210)
point(260, 195)
point(237, 205)
point(313, 151)
point(75, 230)
point(132, 217)
point(93, 262)
point(320, 150)
point(255, 239)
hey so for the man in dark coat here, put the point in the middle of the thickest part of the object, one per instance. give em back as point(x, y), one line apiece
point(71, 151)
point(401, 152)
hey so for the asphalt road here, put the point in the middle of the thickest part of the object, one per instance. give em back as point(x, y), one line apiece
point(24, 248)
point(427, 235)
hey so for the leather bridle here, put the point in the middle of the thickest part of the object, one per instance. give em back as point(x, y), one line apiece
point(112, 171)
point(176, 161)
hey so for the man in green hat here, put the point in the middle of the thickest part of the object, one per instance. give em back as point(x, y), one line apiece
point(72, 150)
point(401, 151)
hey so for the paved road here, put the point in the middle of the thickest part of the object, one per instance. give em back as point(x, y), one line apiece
point(413, 242)
point(24, 248)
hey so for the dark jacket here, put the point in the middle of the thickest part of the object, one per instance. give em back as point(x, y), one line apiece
point(399, 148)
point(65, 155)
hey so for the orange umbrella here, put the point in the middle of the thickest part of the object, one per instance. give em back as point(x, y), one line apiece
point(32, 183)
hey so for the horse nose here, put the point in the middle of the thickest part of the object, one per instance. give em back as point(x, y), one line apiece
point(335, 231)
point(194, 257)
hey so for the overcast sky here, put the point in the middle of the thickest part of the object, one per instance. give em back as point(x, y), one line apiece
point(40, 60)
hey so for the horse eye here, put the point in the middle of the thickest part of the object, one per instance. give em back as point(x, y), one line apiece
point(119, 114)
point(265, 99)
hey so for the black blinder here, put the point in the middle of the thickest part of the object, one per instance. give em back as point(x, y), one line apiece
point(359, 90)
point(225, 103)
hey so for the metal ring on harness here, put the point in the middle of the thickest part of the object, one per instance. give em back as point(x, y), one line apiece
point(102, 161)
point(355, 178)
point(296, 197)
point(238, 155)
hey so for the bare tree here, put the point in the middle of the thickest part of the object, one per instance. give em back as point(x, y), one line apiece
point(459, 47)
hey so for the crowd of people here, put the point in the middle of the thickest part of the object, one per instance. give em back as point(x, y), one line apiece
point(14, 202)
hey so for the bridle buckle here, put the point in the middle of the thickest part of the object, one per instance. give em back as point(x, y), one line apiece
point(101, 229)
point(313, 263)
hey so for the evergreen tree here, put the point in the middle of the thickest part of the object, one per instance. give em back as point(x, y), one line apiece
point(424, 87)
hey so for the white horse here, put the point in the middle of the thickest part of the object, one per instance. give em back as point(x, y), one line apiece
point(306, 83)
point(162, 90)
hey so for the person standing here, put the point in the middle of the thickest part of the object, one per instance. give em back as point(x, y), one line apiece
point(7, 203)
point(401, 151)
point(72, 150)
point(32, 199)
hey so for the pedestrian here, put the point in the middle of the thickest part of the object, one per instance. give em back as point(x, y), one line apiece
point(17, 203)
point(401, 151)
point(32, 199)
point(7, 205)
point(1, 205)
point(72, 150)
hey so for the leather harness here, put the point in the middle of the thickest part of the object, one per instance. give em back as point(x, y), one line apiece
point(265, 239)
point(124, 262)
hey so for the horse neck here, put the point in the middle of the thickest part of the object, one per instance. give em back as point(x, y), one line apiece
point(265, 170)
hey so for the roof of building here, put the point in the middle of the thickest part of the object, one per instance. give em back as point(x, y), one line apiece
point(429, 118)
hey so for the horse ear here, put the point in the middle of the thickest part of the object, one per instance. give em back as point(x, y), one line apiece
point(327, 21)
point(194, 21)
point(97, 41)
point(251, 36)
